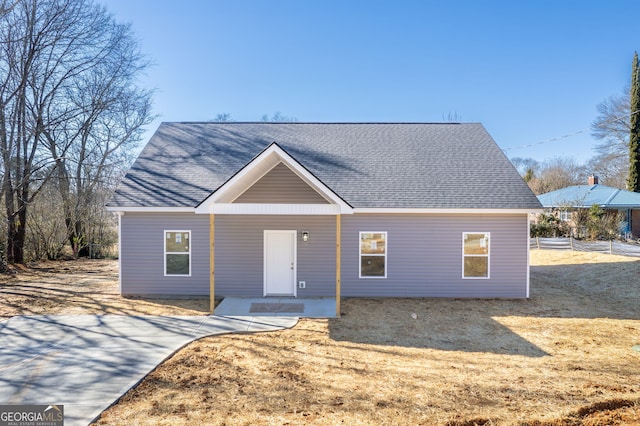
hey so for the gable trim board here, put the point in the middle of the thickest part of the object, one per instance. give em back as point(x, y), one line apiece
point(423, 212)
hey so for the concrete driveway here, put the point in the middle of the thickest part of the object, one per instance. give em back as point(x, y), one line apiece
point(86, 362)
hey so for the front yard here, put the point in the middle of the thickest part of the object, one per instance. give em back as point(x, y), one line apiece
point(80, 287)
point(563, 357)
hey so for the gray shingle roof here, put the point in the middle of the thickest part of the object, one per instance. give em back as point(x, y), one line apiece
point(374, 165)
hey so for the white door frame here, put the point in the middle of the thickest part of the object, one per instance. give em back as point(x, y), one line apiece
point(294, 235)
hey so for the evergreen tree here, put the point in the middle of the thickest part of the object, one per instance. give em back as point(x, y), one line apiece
point(633, 182)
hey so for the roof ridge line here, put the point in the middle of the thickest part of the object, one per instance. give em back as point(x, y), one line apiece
point(323, 122)
point(612, 196)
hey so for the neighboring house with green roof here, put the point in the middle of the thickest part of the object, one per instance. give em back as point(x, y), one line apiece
point(324, 210)
point(566, 200)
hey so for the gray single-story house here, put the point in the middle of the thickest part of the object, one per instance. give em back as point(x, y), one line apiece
point(324, 210)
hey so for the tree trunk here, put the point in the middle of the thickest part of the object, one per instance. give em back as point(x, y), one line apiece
point(19, 238)
point(633, 182)
point(11, 232)
point(77, 237)
point(81, 236)
point(16, 232)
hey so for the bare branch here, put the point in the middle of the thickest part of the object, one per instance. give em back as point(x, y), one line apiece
point(69, 102)
point(612, 126)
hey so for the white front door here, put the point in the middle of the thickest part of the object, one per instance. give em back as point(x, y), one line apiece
point(280, 263)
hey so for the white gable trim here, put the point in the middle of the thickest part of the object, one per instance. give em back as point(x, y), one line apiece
point(222, 199)
point(276, 209)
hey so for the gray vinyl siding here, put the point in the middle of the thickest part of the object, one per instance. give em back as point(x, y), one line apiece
point(281, 186)
point(142, 254)
point(239, 256)
point(424, 256)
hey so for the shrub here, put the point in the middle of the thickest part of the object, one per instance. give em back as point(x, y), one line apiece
point(549, 225)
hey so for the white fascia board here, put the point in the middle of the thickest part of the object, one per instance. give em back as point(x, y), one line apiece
point(151, 209)
point(528, 236)
point(259, 167)
point(620, 207)
point(275, 209)
point(442, 211)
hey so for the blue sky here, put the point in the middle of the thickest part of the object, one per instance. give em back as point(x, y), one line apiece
point(530, 71)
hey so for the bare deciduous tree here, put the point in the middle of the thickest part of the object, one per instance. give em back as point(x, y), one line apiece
point(611, 126)
point(610, 168)
point(111, 112)
point(278, 117)
point(525, 166)
point(69, 105)
point(223, 117)
point(556, 174)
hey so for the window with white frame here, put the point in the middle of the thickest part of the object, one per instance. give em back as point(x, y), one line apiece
point(177, 253)
point(565, 215)
point(475, 254)
point(373, 254)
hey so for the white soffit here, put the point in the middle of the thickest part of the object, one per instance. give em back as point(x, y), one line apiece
point(276, 209)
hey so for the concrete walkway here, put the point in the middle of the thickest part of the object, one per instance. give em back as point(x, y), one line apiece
point(86, 362)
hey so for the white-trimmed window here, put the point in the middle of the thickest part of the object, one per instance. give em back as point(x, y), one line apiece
point(565, 215)
point(177, 253)
point(475, 254)
point(373, 255)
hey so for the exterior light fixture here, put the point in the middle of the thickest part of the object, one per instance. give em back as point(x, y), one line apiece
point(305, 236)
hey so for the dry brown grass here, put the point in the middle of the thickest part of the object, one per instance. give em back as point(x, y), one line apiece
point(80, 287)
point(562, 357)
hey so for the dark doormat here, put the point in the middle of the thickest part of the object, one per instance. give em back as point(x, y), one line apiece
point(297, 308)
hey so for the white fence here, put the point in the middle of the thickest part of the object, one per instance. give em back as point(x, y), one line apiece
point(608, 247)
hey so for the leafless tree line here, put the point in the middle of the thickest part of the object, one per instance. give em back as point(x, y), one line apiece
point(71, 110)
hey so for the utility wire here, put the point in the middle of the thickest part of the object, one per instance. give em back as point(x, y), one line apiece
point(569, 135)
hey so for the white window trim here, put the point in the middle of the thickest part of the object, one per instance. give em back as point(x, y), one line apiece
point(165, 253)
point(488, 256)
point(386, 252)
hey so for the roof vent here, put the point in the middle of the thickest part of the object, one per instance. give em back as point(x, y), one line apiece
point(593, 180)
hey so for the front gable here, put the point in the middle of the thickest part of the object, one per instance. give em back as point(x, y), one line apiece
point(281, 185)
point(274, 183)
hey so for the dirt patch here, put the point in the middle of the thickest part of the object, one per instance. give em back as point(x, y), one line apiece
point(80, 287)
point(562, 357)
point(612, 412)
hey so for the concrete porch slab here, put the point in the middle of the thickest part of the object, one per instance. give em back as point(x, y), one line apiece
point(321, 307)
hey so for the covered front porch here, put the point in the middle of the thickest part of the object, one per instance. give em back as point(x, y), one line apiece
point(274, 232)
